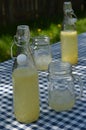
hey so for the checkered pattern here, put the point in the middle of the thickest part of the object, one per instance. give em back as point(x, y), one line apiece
point(74, 119)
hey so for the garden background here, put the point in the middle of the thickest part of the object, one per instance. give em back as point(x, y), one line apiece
point(44, 17)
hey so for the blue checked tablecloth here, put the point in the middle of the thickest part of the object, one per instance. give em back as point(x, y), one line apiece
point(74, 119)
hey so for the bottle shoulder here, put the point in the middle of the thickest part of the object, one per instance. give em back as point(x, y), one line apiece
point(24, 71)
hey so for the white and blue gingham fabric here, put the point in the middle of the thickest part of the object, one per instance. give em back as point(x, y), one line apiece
point(74, 119)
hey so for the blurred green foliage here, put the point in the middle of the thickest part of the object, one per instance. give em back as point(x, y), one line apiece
point(41, 26)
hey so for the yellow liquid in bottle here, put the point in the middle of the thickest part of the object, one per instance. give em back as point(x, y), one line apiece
point(26, 95)
point(42, 62)
point(69, 46)
point(61, 101)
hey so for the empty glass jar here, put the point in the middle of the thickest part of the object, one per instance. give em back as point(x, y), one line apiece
point(62, 86)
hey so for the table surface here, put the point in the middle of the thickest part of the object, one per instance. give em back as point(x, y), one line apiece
point(74, 119)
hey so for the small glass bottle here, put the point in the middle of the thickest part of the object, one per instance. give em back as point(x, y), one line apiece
point(68, 36)
point(25, 84)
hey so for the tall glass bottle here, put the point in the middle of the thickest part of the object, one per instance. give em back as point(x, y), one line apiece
point(69, 40)
point(25, 85)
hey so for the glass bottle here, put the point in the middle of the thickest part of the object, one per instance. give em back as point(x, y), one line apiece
point(25, 85)
point(62, 89)
point(68, 36)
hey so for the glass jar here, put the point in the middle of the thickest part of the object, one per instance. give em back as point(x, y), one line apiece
point(42, 52)
point(61, 87)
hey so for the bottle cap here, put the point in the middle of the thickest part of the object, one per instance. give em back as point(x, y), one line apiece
point(21, 59)
point(67, 6)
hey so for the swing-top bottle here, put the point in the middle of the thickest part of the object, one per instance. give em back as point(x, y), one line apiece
point(69, 40)
point(25, 85)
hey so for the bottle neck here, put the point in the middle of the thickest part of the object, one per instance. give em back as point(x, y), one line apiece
point(70, 18)
point(69, 22)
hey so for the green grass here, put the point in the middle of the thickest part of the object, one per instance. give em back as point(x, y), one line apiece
point(5, 43)
point(41, 26)
point(81, 25)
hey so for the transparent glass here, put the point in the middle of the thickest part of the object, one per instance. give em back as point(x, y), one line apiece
point(25, 89)
point(25, 82)
point(68, 35)
point(21, 41)
point(69, 17)
point(67, 6)
point(19, 45)
point(23, 33)
point(62, 86)
point(42, 52)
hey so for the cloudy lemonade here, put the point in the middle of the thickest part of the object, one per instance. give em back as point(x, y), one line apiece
point(69, 47)
point(42, 62)
point(61, 100)
point(26, 100)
